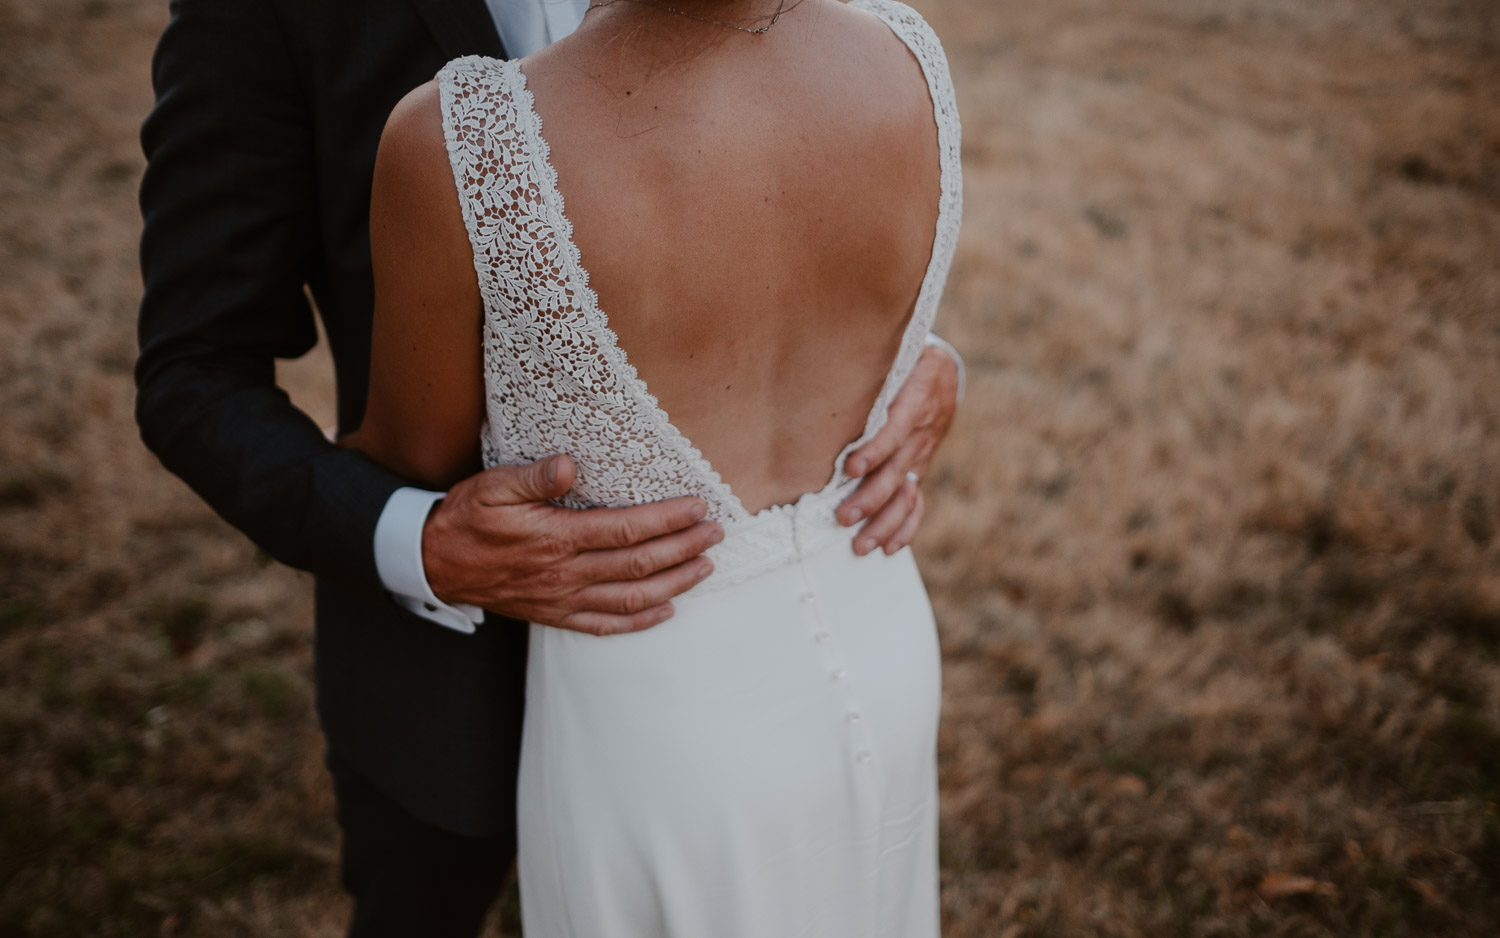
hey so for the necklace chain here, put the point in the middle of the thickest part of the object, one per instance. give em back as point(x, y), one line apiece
point(757, 31)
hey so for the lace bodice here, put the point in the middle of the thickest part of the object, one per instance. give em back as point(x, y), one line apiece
point(556, 378)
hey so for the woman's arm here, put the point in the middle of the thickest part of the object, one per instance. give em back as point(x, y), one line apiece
point(426, 402)
point(494, 542)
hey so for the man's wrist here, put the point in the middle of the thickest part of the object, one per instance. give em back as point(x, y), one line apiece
point(398, 560)
point(934, 341)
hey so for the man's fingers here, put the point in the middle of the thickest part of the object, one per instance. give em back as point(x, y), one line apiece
point(642, 560)
point(633, 596)
point(876, 489)
point(900, 421)
point(881, 447)
point(908, 530)
point(605, 528)
point(630, 606)
point(604, 623)
point(539, 481)
point(889, 519)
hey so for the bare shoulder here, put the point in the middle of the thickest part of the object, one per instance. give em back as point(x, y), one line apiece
point(414, 190)
point(887, 68)
point(412, 144)
point(882, 23)
point(417, 230)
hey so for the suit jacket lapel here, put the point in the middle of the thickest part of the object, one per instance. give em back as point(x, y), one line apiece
point(461, 27)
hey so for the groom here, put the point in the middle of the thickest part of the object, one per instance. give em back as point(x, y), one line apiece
point(260, 153)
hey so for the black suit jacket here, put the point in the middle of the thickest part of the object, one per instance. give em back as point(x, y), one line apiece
point(261, 150)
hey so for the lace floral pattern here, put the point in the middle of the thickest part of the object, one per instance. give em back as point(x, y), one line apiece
point(556, 379)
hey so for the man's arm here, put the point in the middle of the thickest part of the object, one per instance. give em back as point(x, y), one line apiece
point(229, 203)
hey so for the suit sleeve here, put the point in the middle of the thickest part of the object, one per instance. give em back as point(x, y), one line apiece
point(229, 201)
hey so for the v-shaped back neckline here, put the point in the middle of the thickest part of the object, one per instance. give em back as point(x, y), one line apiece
point(557, 379)
point(578, 276)
point(917, 324)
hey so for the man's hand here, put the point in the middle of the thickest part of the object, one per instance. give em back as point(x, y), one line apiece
point(897, 457)
point(495, 542)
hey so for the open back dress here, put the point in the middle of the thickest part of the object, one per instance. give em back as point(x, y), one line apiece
point(763, 764)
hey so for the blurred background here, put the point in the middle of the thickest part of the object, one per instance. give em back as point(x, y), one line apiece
point(1215, 542)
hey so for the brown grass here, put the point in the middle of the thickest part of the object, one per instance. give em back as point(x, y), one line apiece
point(1215, 544)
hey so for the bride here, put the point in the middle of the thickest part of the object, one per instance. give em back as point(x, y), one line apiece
point(694, 247)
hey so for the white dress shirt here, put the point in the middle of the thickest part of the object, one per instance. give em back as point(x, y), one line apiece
point(524, 26)
point(528, 25)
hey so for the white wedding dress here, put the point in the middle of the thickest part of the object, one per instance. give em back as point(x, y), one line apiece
point(763, 764)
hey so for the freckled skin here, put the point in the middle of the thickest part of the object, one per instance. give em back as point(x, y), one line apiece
point(802, 163)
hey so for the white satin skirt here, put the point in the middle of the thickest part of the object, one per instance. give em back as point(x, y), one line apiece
point(762, 765)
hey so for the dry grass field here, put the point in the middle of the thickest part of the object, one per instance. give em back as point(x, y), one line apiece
point(1215, 544)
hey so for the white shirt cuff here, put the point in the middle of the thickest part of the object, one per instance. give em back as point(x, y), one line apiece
point(934, 342)
point(398, 560)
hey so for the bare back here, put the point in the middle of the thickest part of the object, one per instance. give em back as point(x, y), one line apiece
point(756, 215)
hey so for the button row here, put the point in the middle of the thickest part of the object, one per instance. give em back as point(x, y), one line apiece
point(864, 756)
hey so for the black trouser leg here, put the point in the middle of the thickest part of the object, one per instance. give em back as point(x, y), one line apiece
point(409, 878)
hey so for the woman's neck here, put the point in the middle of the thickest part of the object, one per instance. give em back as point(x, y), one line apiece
point(756, 17)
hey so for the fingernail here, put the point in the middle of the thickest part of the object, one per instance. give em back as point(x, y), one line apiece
point(857, 467)
point(853, 515)
point(718, 536)
point(704, 569)
point(664, 613)
point(550, 470)
point(700, 510)
point(863, 545)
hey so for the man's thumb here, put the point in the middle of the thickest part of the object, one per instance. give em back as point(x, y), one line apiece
point(546, 479)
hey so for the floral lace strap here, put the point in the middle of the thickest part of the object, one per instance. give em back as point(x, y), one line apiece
point(556, 379)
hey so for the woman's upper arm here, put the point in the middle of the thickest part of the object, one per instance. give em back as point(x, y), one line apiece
point(426, 403)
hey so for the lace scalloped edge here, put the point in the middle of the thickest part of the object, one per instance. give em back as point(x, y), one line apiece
point(549, 210)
